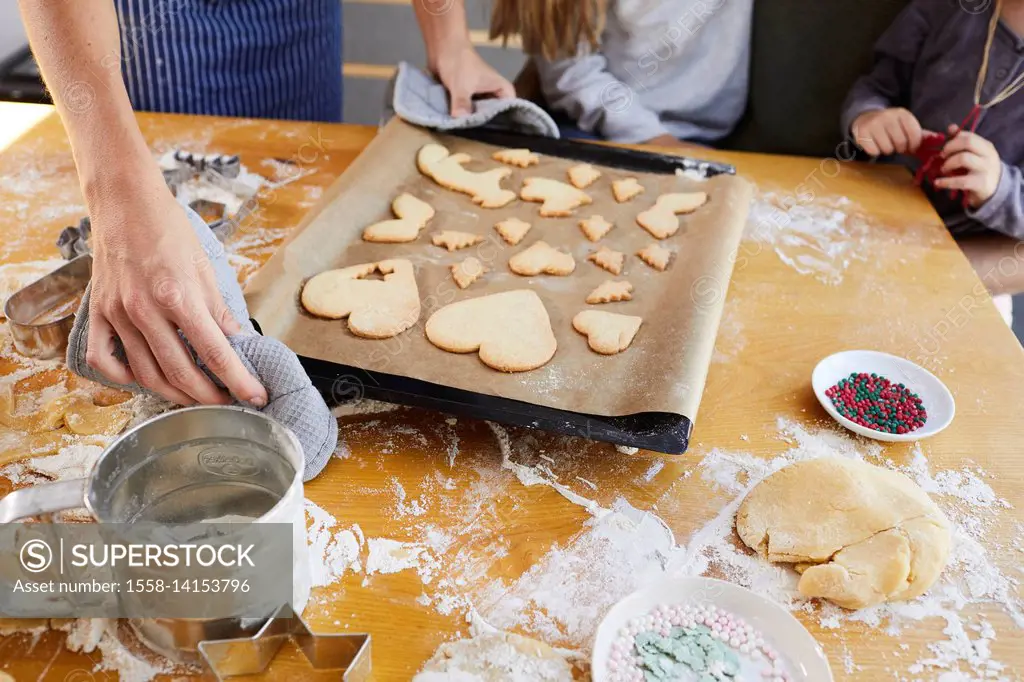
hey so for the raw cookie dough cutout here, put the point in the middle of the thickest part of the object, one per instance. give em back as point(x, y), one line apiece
point(625, 189)
point(607, 333)
point(512, 230)
point(859, 534)
point(453, 240)
point(595, 227)
point(445, 168)
point(468, 271)
point(542, 258)
point(583, 175)
point(611, 291)
point(511, 330)
point(520, 158)
point(661, 219)
point(656, 256)
point(411, 216)
point(608, 259)
point(558, 199)
point(376, 309)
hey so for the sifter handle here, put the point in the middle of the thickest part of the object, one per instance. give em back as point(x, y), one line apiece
point(42, 499)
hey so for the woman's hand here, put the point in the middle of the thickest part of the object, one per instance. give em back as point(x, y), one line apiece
point(151, 278)
point(465, 74)
point(972, 165)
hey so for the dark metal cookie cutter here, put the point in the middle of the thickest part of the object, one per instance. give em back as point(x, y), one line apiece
point(349, 654)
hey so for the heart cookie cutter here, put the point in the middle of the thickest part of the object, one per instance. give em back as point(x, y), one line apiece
point(348, 654)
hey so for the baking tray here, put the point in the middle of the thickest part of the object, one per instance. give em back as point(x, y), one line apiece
point(659, 431)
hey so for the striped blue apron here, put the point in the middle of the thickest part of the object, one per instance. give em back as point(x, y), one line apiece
point(255, 58)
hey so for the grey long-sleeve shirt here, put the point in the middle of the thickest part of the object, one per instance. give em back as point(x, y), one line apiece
point(928, 62)
point(678, 67)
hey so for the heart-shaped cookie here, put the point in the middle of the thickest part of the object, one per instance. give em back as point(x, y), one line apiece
point(445, 168)
point(607, 333)
point(376, 309)
point(511, 330)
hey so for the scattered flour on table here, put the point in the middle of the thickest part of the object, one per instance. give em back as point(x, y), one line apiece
point(392, 556)
point(332, 551)
point(652, 471)
point(819, 238)
point(88, 635)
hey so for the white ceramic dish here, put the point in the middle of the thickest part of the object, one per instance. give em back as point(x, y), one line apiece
point(935, 397)
point(807, 662)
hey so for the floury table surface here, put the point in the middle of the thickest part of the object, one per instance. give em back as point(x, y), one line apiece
point(855, 258)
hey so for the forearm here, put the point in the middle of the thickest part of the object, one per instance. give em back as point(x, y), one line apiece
point(77, 47)
point(1004, 211)
point(444, 27)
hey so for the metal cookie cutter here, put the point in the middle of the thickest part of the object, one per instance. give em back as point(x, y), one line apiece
point(40, 316)
point(348, 654)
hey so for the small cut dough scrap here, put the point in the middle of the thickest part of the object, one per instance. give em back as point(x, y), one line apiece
point(542, 258)
point(412, 215)
point(595, 227)
point(626, 189)
point(859, 534)
point(583, 175)
point(559, 199)
point(468, 271)
point(512, 230)
point(445, 168)
point(610, 260)
point(86, 419)
point(376, 309)
point(661, 221)
point(655, 255)
point(454, 240)
point(611, 291)
point(511, 330)
point(521, 158)
point(607, 333)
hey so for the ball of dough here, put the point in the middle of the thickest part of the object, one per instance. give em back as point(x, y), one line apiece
point(858, 534)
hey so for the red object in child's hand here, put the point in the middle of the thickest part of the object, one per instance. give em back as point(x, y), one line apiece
point(930, 156)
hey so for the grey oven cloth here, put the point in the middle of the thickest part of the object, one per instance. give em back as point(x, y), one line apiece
point(417, 98)
point(292, 398)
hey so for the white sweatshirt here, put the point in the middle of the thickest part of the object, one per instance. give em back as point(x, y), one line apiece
point(679, 67)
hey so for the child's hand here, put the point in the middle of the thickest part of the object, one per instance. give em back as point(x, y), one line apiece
point(972, 166)
point(887, 131)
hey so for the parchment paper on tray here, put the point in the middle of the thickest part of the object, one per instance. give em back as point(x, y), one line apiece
point(663, 371)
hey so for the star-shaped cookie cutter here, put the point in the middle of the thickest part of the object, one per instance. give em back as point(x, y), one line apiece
point(347, 653)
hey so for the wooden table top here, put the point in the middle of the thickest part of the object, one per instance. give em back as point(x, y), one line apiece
point(893, 281)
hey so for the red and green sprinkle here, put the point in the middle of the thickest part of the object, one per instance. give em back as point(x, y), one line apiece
point(875, 402)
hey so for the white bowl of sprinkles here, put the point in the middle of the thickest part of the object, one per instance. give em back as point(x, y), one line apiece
point(679, 629)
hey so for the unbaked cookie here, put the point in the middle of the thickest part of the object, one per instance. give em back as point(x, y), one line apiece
point(453, 240)
point(583, 175)
point(468, 271)
point(859, 534)
point(376, 309)
point(655, 255)
point(595, 227)
point(511, 330)
point(607, 333)
point(512, 230)
point(611, 291)
point(521, 158)
point(541, 258)
point(445, 168)
point(661, 221)
point(625, 189)
point(610, 260)
point(558, 199)
point(411, 216)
